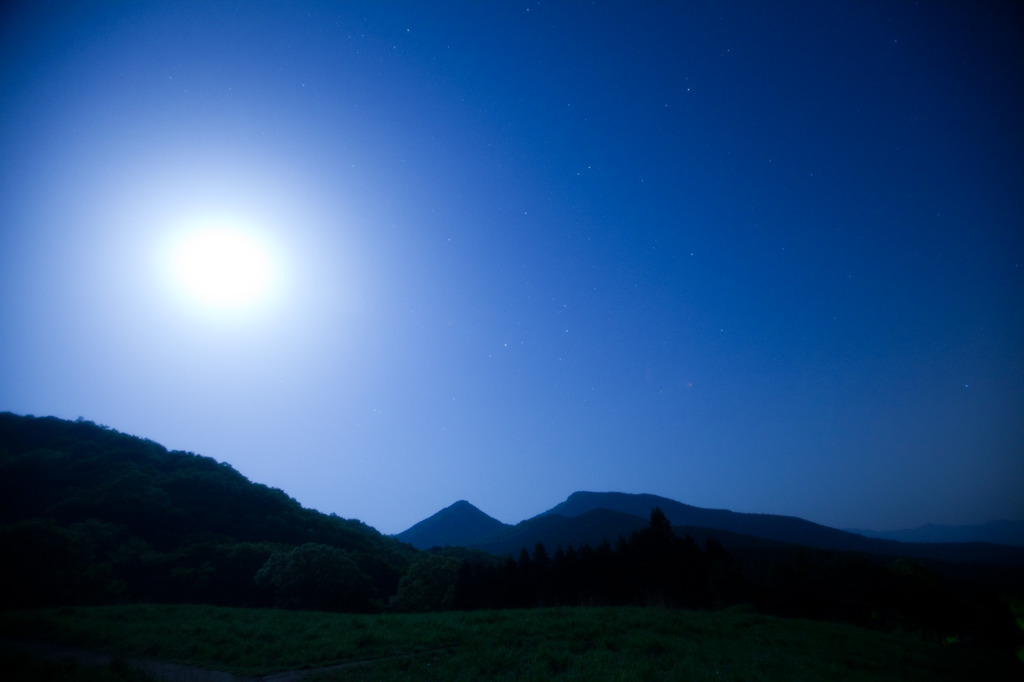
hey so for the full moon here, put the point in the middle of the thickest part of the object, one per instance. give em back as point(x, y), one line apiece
point(223, 268)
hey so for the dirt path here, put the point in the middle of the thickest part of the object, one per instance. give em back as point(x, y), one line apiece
point(162, 670)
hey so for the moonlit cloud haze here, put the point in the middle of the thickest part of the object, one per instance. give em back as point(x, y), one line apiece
point(757, 256)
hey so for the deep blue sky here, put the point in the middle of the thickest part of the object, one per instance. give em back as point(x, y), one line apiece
point(747, 255)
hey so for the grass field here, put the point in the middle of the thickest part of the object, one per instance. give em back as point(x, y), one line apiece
point(539, 644)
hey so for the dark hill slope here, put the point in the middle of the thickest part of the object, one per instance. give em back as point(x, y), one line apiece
point(118, 517)
point(73, 471)
point(770, 526)
point(554, 530)
point(460, 524)
point(787, 529)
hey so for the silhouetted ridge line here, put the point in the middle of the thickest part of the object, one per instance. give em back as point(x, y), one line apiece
point(590, 517)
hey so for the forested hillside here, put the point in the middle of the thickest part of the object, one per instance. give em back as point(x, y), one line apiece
point(90, 515)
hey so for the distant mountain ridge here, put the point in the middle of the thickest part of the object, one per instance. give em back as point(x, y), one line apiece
point(1001, 532)
point(590, 517)
point(769, 526)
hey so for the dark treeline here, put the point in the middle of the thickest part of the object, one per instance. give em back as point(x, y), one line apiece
point(652, 567)
point(92, 516)
point(655, 567)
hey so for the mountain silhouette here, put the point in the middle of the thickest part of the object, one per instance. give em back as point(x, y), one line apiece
point(460, 524)
point(555, 530)
point(590, 517)
point(769, 526)
point(789, 529)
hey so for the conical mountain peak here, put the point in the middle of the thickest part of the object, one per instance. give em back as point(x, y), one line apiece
point(460, 523)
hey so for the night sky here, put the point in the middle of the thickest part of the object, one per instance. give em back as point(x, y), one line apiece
point(762, 256)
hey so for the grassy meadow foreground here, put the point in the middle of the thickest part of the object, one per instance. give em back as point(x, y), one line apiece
point(602, 643)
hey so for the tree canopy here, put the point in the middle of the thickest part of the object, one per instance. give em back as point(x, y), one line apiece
point(95, 515)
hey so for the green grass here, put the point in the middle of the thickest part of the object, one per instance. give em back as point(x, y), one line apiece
point(561, 643)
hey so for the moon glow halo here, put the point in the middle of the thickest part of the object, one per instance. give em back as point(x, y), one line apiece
point(223, 269)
